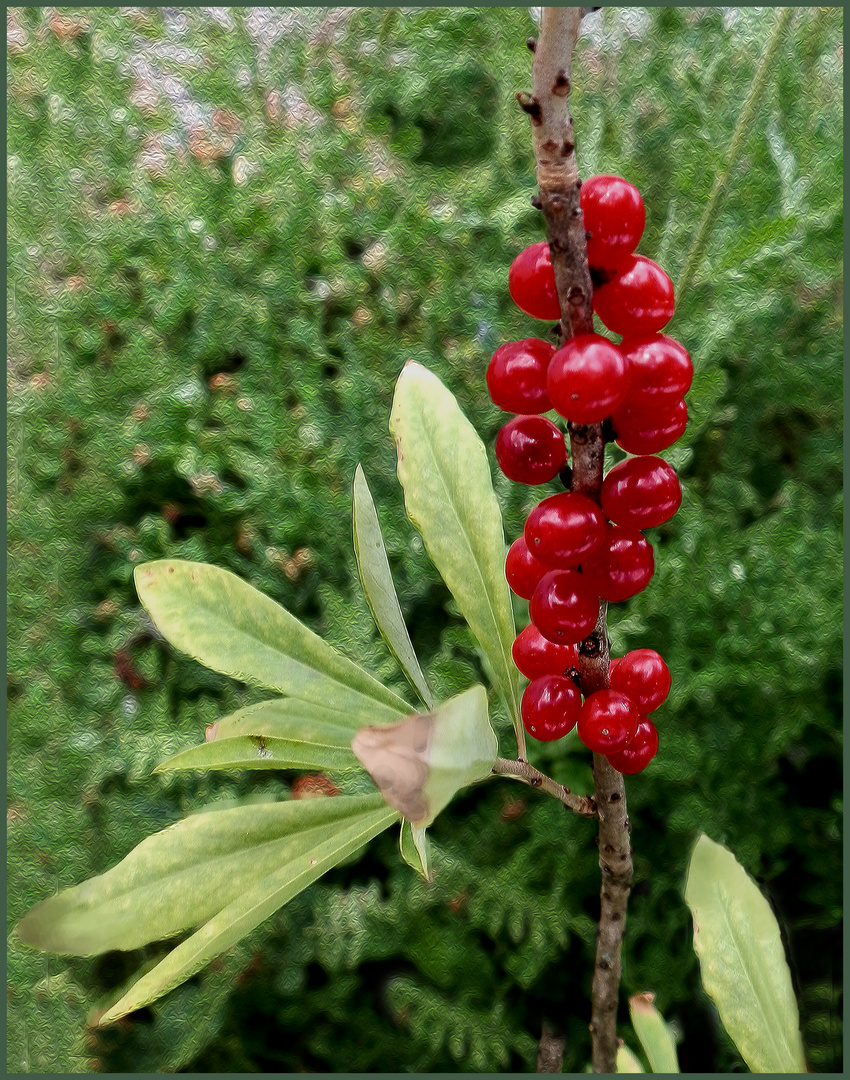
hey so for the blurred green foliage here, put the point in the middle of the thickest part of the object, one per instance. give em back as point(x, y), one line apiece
point(206, 320)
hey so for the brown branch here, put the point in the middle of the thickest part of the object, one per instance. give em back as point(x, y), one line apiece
point(550, 1050)
point(557, 171)
point(559, 183)
point(521, 770)
point(615, 862)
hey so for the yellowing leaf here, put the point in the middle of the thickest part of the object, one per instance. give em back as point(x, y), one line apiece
point(743, 965)
point(378, 586)
point(448, 492)
point(229, 626)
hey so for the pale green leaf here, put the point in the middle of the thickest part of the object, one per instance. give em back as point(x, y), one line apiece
point(627, 1062)
point(290, 718)
point(743, 965)
point(300, 868)
point(226, 624)
point(448, 492)
point(183, 875)
point(415, 848)
point(261, 752)
point(654, 1034)
point(379, 589)
point(420, 764)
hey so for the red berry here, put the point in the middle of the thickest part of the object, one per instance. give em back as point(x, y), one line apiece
point(530, 450)
point(641, 492)
point(647, 430)
point(550, 707)
point(639, 752)
point(615, 217)
point(531, 282)
point(660, 370)
point(643, 675)
point(516, 376)
point(608, 721)
point(535, 656)
point(522, 570)
point(565, 529)
point(587, 378)
point(564, 607)
point(622, 567)
point(638, 300)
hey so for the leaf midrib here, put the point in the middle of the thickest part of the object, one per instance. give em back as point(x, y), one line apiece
point(733, 935)
point(411, 667)
point(377, 820)
point(318, 675)
point(485, 590)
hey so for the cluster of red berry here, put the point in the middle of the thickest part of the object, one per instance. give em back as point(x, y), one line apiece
point(575, 551)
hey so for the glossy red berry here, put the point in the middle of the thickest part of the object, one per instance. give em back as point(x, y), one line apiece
point(615, 217)
point(641, 492)
point(661, 371)
point(587, 378)
point(608, 721)
point(640, 750)
point(565, 529)
point(550, 707)
point(638, 299)
point(516, 376)
point(642, 430)
point(643, 675)
point(535, 656)
point(522, 570)
point(531, 282)
point(564, 607)
point(530, 450)
point(622, 567)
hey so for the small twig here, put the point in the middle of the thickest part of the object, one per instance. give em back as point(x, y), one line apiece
point(521, 770)
point(550, 1050)
point(743, 129)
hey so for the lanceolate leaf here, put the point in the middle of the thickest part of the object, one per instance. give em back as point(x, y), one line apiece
point(415, 848)
point(182, 876)
point(230, 627)
point(448, 492)
point(289, 718)
point(261, 752)
point(743, 965)
point(379, 589)
point(296, 872)
point(654, 1034)
point(627, 1062)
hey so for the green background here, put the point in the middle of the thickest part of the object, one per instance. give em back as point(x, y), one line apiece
point(212, 291)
